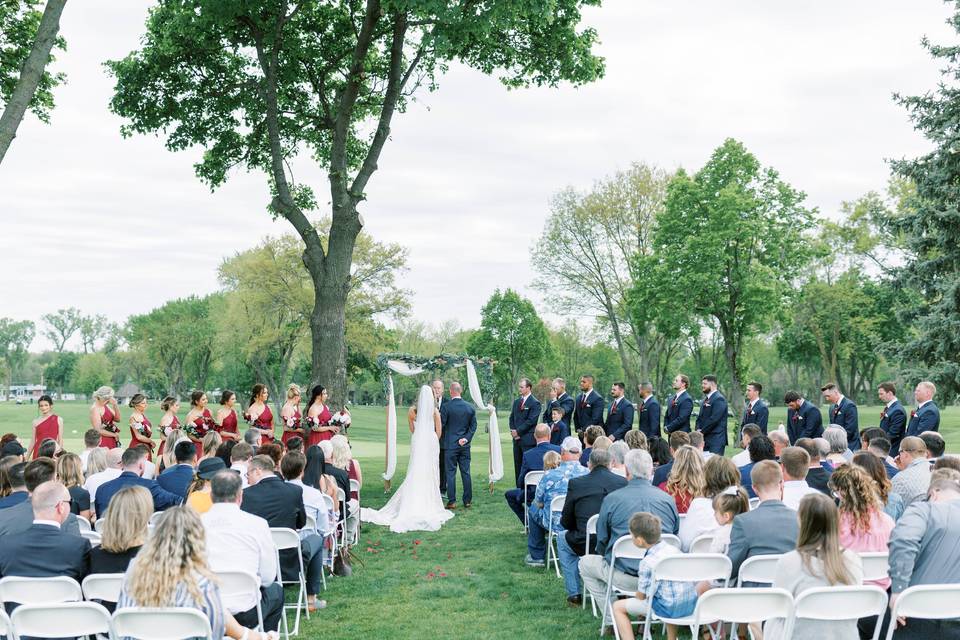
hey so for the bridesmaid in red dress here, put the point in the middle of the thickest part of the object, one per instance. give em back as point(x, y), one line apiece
point(169, 422)
point(48, 425)
point(258, 413)
point(318, 417)
point(141, 431)
point(227, 417)
point(104, 415)
point(199, 421)
point(290, 415)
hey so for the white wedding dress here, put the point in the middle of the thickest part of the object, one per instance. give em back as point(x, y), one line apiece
point(417, 504)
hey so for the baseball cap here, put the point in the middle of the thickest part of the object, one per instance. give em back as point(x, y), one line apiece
point(571, 444)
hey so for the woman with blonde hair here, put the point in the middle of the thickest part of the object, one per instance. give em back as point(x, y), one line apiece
point(636, 439)
point(551, 460)
point(141, 431)
point(167, 460)
point(719, 474)
point(171, 570)
point(290, 415)
point(96, 462)
point(104, 415)
point(342, 458)
point(124, 531)
point(70, 473)
point(211, 442)
point(863, 524)
point(686, 480)
point(169, 422)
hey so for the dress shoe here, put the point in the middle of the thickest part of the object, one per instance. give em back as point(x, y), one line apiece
point(575, 601)
point(530, 562)
point(451, 505)
point(467, 505)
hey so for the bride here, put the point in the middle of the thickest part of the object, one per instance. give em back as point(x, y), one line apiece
point(417, 505)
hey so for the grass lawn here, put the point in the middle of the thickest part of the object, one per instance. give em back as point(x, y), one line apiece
point(467, 580)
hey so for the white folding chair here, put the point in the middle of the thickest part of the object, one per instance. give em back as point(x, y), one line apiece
point(591, 531)
point(163, 623)
point(99, 524)
point(241, 583)
point(289, 539)
point(92, 536)
point(702, 543)
point(6, 629)
point(761, 569)
point(60, 620)
point(841, 603)
point(556, 506)
point(328, 503)
point(876, 565)
point(311, 524)
point(102, 586)
point(40, 590)
point(927, 602)
point(155, 518)
point(692, 567)
point(532, 479)
point(623, 548)
point(84, 524)
point(355, 486)
point(743, 606)
point(342, 499)
point(672, 540)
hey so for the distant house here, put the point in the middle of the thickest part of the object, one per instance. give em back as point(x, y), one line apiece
point(127, 391)
point(23, 392)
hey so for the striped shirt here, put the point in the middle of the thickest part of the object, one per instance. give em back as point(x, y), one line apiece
point(211, 605)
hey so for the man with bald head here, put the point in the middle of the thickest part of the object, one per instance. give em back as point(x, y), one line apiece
point(532, 461)
point(46, 550)
point(458, 423)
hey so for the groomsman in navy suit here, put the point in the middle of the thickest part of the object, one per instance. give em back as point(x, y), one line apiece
point(893, 418)
point(648, 410)
point(558, 428)
point(559, 398)
point(926, 417)
point(588, 409)
point(679, 407)
point(756, 411)
point(619, 415)
point(803, 418)
point(843, 412)
point(458, 420)
point(523, 419)
point(712, 419)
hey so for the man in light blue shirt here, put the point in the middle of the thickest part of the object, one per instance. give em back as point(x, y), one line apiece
point(553, 484)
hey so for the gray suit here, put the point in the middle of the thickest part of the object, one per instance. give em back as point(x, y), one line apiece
point(770, 528)
point(19, 518)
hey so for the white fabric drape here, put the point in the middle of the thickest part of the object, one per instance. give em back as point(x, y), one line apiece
point(391, 445)
point(496, 452)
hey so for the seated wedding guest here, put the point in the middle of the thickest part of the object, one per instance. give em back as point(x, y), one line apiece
point(891, 503)
point(780, 441)
point(132, 462)
point(863, 524)
point(5, 465)
point(925, 549)
point(818, 561)
point(590, 435)
point(273, 451)
point(719, 474)
point(111, 472)
point(532, 461)
point(697, 442)
point(935, 444)
point(47, 549)
point(225, 451)
point(749, 432)
point(178, 478)
point(761, 448)
point(837, 438)
point(554, 483)
point(294, 444)
point(17, 485)
point(727, 505)
point(867, 435)
point(617, 452)
point(686, 480)
point(339, 476)
point(635, 439)
point(817, 475)
point(281, 505)
point(912, 482)
point(48, 448)
point(584, 497)
point(880, 447)
point(199, 495)
point(659, 450)
point(70, 474)
point(14, 448)
point(775, 519)
point(239, 459)
point(314, 476)
point(211, 442)
point(96, 462)
point(947, 462)
point(677, 439)
point(602, 442)
point(168, 458)
point(171, 570)
point(91, 441)
point(615, 512)
point(253, 437)
point(149, 466)
point(342, 458)
point(794, 463)
point(124, 532)
point(19, 518)
point(668, 599)
point(239, 541)
point(293, 466)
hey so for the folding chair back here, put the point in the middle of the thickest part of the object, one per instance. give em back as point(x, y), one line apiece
point(84, 525)
point(40, 590)
point(61, 620)
point(557, 503)
point(354, 486)
point(672, 540)
point(841, 603)
point(155, 518)
point(927, 601)
point(241, 583)
point(92, 536)
point(693, 567)
point(311, 524)
point(761, 569)
point(591, 529)
point(99, 524)
point(285, 538)
point(744, 605)
point(103, 586)
point(5, 626)
point(532, 479)
point(876, 565)
point(702, 543)
point(166, 623)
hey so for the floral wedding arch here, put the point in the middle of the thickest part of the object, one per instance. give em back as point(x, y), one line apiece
point(479, 381)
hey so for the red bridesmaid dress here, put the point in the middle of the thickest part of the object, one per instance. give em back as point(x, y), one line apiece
point(164, 431)
point(147, 431)
point(323, 419)
point(107, 420)
point(297, 423)
point(229, 423)
point(264, 422)
point(46, 429)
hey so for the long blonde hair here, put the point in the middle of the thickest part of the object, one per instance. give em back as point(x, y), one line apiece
point(341, 452)
point(211, 442)
point(96, 461)
point(126, 522)
point(687, 475)
point(819, 537)
point(70, 470)
point(176, 553)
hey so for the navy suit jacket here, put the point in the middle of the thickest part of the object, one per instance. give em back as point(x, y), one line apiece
point(177, 479)
point(649, 417)
point(566, 403)
point(846, 416)
point(712, 423)
point(893, 421)
point(619, 421)
point(558, 431)
point(45, 551)
point(533, 459)
point(458, 419)
point(588, 410)
point(662, 473)
point(679, 409)
point(162, 498)
point(524, 422)
point(927, 418)
point(281, 505)
point(584, 496)
point(758, 415)
point(806, 423)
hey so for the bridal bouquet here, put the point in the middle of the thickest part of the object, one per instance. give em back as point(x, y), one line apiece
point(110, 426)
point(292, 422)
point(314, 423)
point(250, 421)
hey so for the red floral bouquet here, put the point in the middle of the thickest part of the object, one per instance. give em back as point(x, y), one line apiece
point(313, 423)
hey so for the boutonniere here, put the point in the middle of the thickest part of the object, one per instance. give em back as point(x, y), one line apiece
point(797, 417)
point(913, 414)
point(706, 404)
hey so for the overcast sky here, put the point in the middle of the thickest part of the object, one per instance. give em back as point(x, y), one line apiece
point(118, 226)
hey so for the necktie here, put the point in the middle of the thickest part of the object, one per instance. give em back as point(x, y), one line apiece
point(613, 409)
point(522, 400)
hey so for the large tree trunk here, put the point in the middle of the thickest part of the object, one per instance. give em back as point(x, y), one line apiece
point(732, 355)
point(30, 74)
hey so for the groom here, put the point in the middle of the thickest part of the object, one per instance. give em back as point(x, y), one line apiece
point(458, 422)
